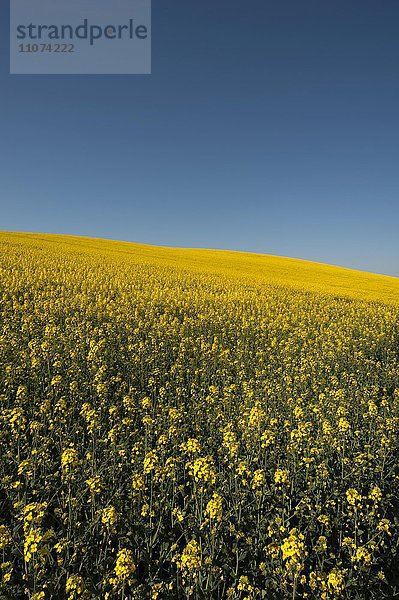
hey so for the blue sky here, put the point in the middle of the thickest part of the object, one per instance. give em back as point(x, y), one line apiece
point(268, 126)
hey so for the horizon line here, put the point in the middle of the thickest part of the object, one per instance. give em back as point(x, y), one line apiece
point(237, 251)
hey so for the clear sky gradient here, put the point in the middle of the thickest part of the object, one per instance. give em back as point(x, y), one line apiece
point(268, 126)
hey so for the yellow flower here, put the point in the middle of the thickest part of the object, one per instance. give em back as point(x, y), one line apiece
point(375, 494)
point(348, 542)
point(256, 416)
point(244, 584)
point(125, 566)
point(293, 551)
point(321, 544)
point(150, 461)
point(281, 477)
point(203, 470)
point(372, 409)
point(146, 402)
point(33, 538)
point(230, 440)
point(26, 467)
point(138, 482)
point(214, 508)
point(156, 590)
point(94, 484)
point(17, 419)
point(177, 513)
point(147, 421)
point(258, 479)
point(384, 526)
point(362, 557)
point(242, 469)
point(324, 520)
point(5, 537)
point(353, 497)
point(192, 446)
point(109, 517)
point(75, 586)
point(268, 438)
point(69, 459)
point(191, 557)
point(343, 425)
point(174, 414)
point(33, 514)
point(6, 569)
point(335, 581)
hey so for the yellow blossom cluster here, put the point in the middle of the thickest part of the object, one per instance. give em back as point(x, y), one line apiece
point(214, 508)
point(75, 587)
point(125, 566)
point(293, 551)
point(191, 558)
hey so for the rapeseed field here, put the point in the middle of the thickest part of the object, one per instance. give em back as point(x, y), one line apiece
point(195, 424)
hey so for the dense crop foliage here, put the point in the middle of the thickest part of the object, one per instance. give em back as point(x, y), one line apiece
point(174, 430)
